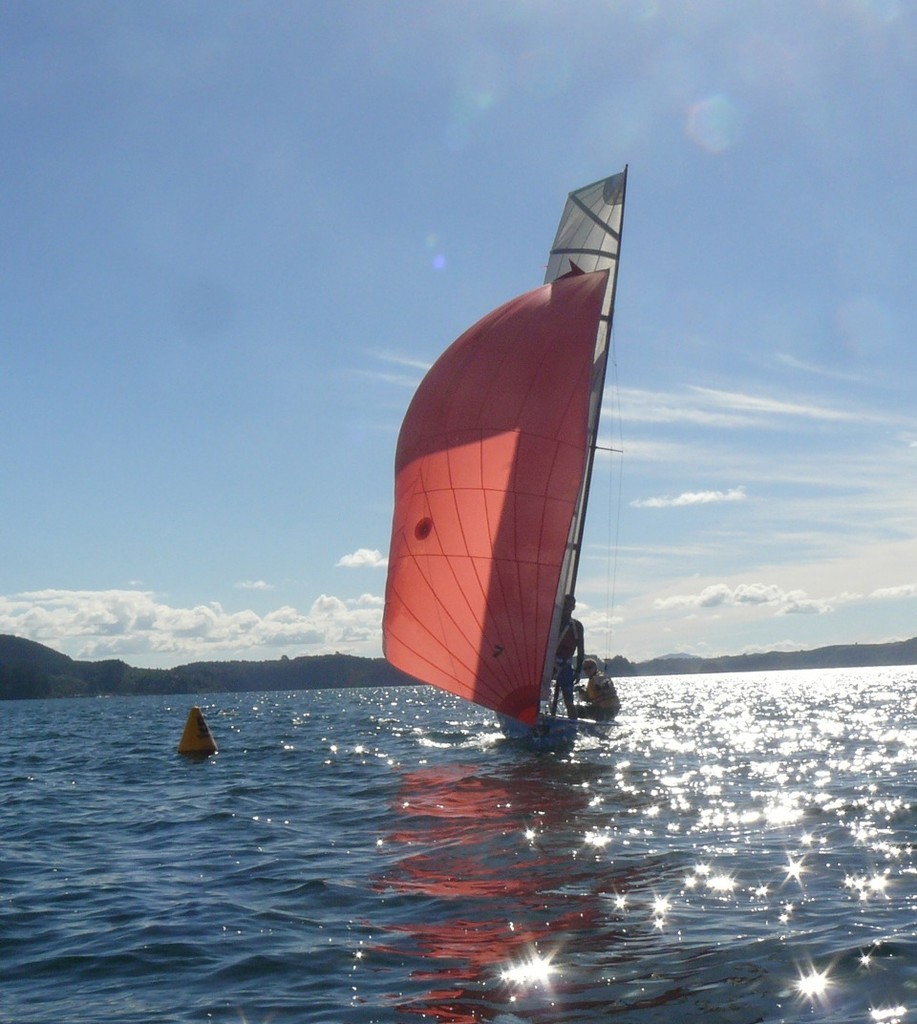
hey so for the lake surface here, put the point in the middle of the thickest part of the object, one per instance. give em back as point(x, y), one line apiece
point(739, 848)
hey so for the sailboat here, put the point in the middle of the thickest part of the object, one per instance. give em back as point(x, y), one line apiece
point(492, 472)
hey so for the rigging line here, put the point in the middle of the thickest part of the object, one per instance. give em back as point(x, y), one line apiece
point(616, 489)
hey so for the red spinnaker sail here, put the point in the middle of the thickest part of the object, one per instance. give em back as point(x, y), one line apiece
point(489, 464)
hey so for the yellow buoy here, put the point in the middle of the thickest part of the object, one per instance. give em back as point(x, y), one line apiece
point(197, 739)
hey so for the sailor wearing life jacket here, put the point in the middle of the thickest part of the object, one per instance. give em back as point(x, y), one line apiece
point(568, 661)
point(602, 698)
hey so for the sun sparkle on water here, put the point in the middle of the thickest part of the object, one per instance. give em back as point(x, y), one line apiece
point(536, 970)
point(596, 838)
point(889, 1015)
point(795, 868)
point(661, 906)
point(814, 984)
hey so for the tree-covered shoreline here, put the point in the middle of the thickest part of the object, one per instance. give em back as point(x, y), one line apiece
point(29, 670)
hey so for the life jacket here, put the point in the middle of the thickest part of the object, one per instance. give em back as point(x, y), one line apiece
point(600, 689)
point(601, 693)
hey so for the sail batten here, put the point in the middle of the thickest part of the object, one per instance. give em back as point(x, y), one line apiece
point(604, 253)
point(489, 481)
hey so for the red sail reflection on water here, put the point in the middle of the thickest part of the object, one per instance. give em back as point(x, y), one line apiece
point(488, 896)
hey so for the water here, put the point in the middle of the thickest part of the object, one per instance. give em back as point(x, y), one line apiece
point(739, 849)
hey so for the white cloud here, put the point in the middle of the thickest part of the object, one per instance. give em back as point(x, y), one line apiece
point(362, 558)
point(762, 405)
point(892, 593)
point(781, 601)
point(143, 630)
point(828, 371)
point(712, 407)
point(254, 585)
point(707, 598)
point(803, 606)
point(760, 593)
point(401, 362)
point(692, 498)
point(785, 602)
point(398, 359)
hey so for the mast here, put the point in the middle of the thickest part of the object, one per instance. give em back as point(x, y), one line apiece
point(588, 238)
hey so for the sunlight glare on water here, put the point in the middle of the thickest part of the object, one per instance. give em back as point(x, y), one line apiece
point(736, 849)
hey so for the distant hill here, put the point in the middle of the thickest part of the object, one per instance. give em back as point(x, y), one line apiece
point(31, 670)
point(902, 652)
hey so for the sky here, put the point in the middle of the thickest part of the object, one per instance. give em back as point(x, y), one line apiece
point(236, 234)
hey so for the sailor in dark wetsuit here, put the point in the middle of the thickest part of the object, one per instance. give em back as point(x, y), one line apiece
point(568, 661)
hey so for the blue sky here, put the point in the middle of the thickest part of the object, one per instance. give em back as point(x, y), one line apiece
point(236, 233)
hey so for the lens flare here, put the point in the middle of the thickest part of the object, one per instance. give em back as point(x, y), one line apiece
point(714, 123)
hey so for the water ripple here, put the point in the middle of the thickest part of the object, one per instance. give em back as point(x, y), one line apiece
point(739, 849)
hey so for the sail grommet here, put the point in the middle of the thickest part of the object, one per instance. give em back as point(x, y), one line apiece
point(424, 528)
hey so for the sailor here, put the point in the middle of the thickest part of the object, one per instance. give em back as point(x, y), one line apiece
point(602, 698)
point(568, 661)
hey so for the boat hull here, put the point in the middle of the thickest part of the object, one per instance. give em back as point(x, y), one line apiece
point(552, 732)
